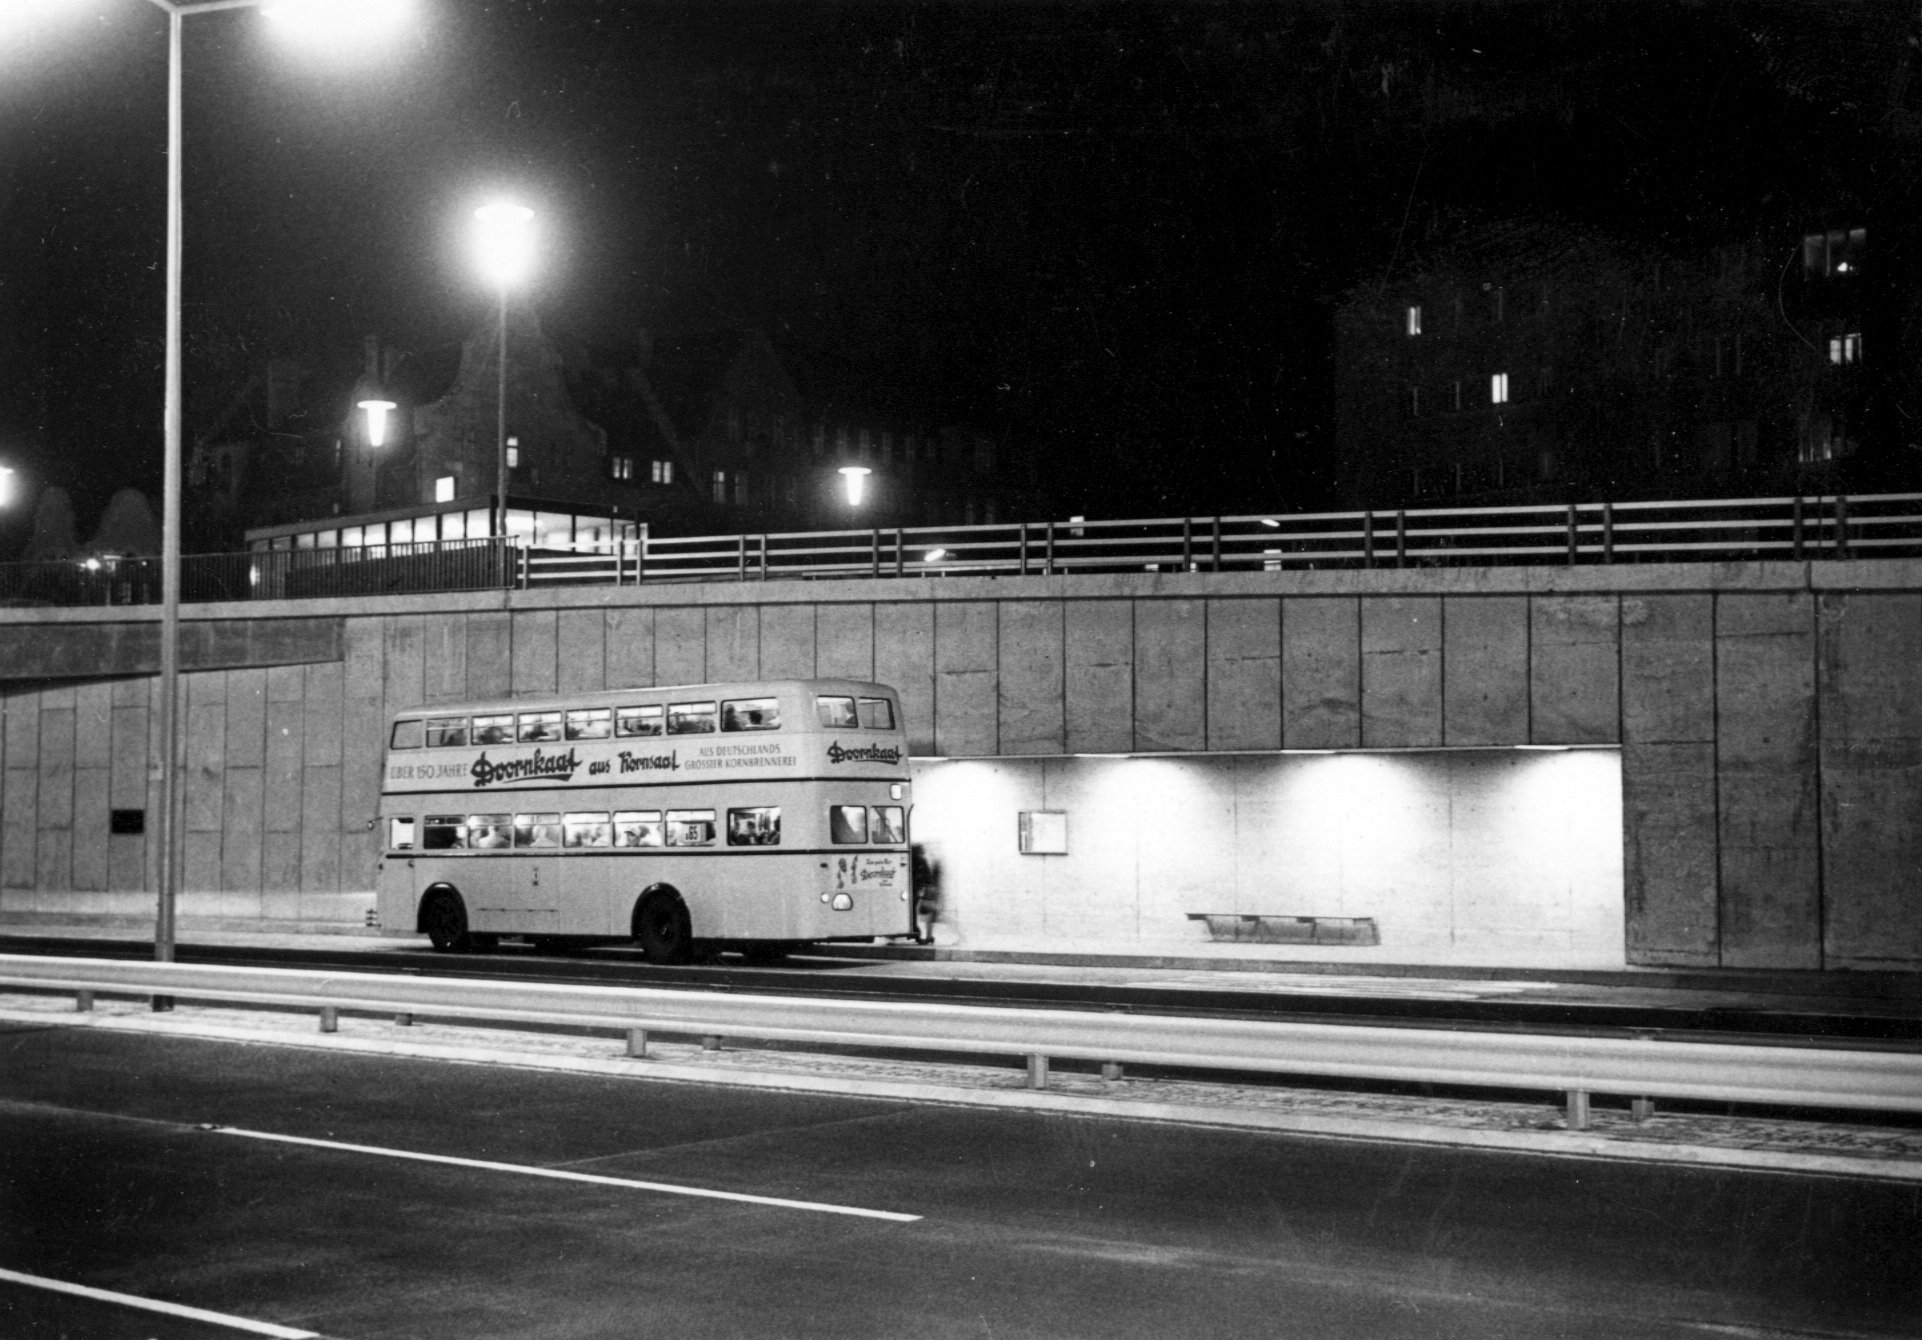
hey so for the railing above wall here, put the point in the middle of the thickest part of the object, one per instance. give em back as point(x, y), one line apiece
point(1885, 525)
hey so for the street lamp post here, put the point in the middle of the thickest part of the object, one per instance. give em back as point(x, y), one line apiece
point(506, 248)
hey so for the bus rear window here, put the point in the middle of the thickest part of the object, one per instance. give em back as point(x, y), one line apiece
point(446, 732)
point(690, 718)
point(407, 735)
point(592, 723)
point(835, 713)
point(638, 721)
point(759, 826)
point(877, 714)
point(751, 714)
point(848, 823)
point(538, 727)
point(890, 824)
point(494, 730)
point(637, 828)
point(690, 828)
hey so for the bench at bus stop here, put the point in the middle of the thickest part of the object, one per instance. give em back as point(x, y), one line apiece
point(1263, 928)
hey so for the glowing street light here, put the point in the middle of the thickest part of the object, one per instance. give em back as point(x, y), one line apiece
point(6, 486)
point(376, 412)
point(855, 479)
point(504, 247)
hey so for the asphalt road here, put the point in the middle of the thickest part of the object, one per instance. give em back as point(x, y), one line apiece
point(141, 1166)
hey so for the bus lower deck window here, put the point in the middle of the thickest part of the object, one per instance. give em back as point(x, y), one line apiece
point(443, 832)
point(848, 823)
point(690, 718)
point(537, 830)
point(690, 828)
point(759, 826)
point(537, 727)
point(890, 824)
point(494, 730)
point(489, 831)
point(751, 714)
point(836, 713)
point(877, 714)
point(400, 834)
point(594, 723)
point(637, 828)
point(585, 830)
point(638, 721)
point(446, 732)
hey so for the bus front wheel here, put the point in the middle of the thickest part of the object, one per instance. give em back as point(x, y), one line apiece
point(444, 917)
point(662, 927)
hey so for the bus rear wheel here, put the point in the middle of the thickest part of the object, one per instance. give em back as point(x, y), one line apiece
point(661, 926)
point(444, 917)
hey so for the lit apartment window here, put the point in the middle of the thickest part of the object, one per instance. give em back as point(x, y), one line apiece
point(621, 467)
point(1845, 348)
point(513, 453)
point(1498, 389)
point(1545, 382)
point(1834, 253)
point(720, 486)
point(1414, 320)
point(661, 472)
point(1411, 401)
point(444, 489)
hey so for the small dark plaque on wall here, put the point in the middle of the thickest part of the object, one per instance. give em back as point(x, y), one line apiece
point(127, 821)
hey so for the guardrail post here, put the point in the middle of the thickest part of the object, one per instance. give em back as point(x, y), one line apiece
point(1215, 563)
point(1368, 539)
point(1798, 528)
point(1608, 532)
point(1841, 526)
point(1641, 1109)
point(1401, 538)
point(524, 565)
point(1051, 548)
point(874, 553)
point(711, 1042)
point(740, 558)
point(1111, 1070)
point(1021, 548)
point(329, 1019)
point(637, 1042)
point(1572, 532)
point(763, 543)
point(83, 1002)
point(1187, 543)
point(1578, 1109)
point(403, 1021)
point(1037, 1071)
point(640, 556)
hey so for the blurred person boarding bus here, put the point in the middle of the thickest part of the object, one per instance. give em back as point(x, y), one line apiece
point(762, 816)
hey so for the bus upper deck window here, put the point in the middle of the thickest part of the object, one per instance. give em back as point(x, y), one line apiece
point(443, 832)
point(637, 828)
point(538, 727)
point(877, 714)
point(835, 713)
point(592, 723)
point(400, 834)
point(890, 824)
point(494, 730)
point(690, 828)
point(690, 718)
point(751, 714)
point(848, 823)
point(446, 732)
point(407, 734)
point(489, 831)
point(585, 830)
point(638, 721)
point(537, 830)
point(759, 826)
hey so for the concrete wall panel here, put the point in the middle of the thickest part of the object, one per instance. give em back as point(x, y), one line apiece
point(280, 775)
point(93, 726)
point(1871, 749)
point(1668, 669)
point(630, 649)
point(582, 638)
point(536, 651)
point(680, 645)
point(280, 873)
point(904, 658)
point(205, 751)
point(966, 662)
point(404, 662)
point(1401, 672)
point(363, 739)
point(1032, 643)
point(241, 831)
point(1574, 669)
point(321, 824)
point(90, 824)
point(490, 654)
point(444, 661)
point(787, 641)
point(844, 641)
point(1485, 675)
point(733, 642)
point(56, 769)
point(246, 718)
point(1098, 679)
point(1668, 803)
point(1765, 761)
point(1320, 673)
point(1171, 675)
point(1244, 674)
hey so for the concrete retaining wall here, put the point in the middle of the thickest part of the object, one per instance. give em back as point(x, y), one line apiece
point(1769, 716)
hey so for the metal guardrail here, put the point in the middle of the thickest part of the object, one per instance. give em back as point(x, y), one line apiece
point(1885, 525)
point(1575, 1064)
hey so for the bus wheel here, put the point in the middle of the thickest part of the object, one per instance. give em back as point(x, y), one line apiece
point(444, 917)
point(661, 926)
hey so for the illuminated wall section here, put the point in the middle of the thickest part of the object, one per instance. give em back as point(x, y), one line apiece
point(1510, 856)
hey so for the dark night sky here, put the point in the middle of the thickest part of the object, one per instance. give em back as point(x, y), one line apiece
point(1108, 231)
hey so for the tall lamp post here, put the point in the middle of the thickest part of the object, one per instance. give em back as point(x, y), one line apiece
point(308, 17)
point(504, 242)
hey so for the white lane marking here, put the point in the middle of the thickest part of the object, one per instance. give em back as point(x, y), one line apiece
point(559, 1174)
point(155, 1305)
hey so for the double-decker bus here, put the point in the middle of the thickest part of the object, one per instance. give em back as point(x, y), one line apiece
point(761, 816)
